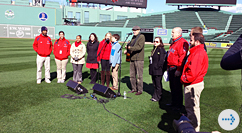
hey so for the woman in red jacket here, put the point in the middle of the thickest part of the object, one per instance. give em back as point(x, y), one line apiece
point(104, 51)
point(61, 52)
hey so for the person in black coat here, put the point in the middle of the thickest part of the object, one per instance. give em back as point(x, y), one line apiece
point(92, 63)
point(157, 59)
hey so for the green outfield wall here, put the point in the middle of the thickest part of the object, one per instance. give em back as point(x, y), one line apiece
point(26, 15)
point(72, 31)
point(25, 22)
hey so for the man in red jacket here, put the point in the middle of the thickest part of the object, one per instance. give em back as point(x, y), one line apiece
point(175, 61)
point(192, 77)
point(43, 46)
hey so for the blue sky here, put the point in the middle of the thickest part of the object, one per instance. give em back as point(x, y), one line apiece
point(160, 5)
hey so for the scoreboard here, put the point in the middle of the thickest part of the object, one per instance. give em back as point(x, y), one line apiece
point(201, 2)
point(127, 3)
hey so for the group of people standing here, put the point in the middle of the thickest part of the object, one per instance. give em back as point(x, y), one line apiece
point(184, 67)
point(106, 53)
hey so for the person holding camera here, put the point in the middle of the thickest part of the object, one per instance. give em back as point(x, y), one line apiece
point(192, 77)
point(104, 51)
point(115, 60)
point(61, 52)
point(91, 63)
point(157, 59)
point(77, 52)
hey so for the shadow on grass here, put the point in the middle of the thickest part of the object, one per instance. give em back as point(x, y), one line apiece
point(70, 75)
point(146, 87)
point(53, 75)
point(166, 123)
point(126, 80)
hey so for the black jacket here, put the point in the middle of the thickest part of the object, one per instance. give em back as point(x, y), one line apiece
point(232, 59)
point(158, 60)
point(92, 52)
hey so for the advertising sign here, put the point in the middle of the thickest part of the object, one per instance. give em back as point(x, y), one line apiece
point(23, 31)
point(211, 44)
point(162, 32)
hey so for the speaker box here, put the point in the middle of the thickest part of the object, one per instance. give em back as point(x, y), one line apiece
point(104, 91)
point(76, 87)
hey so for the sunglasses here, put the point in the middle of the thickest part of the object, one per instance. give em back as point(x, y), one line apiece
point(156, 41)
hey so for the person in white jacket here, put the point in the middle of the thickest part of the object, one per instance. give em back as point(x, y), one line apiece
point(77, 52)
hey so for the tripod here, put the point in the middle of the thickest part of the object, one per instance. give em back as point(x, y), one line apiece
point(120, 50)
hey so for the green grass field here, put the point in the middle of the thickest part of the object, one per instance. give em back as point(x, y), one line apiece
point(28, 107)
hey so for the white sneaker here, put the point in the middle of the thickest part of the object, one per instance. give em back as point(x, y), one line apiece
point(38, 81)
point(58, 81)
point(62, 81)
point(47, 81)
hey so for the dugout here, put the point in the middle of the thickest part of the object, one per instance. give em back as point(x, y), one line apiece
point(148, 33)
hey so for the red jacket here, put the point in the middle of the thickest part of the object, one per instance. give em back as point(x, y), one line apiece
point(42, 45)
point(106, 50)
point(177, 53)
point(62, 49)
point(196, 66)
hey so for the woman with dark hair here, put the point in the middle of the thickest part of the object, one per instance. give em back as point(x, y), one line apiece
point(104, 51)
point(92, 64)
point(78, 51)
point(61, 52)
point(157, 59)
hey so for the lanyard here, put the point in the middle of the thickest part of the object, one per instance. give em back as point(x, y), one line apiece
point(153, 51)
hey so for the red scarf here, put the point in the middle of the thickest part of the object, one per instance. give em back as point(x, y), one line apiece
point(77, 43)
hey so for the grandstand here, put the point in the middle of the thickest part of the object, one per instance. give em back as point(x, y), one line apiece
point(117, 23)
point(146, 22)
point(183, 19)
point(235, 23)
point(234, 35)
point(186, 19)
point(220, 25)
point(214, 19)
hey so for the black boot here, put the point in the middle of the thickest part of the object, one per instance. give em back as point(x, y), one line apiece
point(107, 78)
point(102, 77)
point(93, 73)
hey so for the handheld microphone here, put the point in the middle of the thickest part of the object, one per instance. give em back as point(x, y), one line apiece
point(129, 33)
point(107, 40)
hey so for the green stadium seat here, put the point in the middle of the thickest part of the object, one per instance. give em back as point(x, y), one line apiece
point(214, 19)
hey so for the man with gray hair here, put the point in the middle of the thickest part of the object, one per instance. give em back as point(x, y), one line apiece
point(175, 60)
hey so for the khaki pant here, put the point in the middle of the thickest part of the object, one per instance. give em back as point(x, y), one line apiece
point(192, 103)
point(136, 69)
point(40, 61)
point(115, 76)
point(61, 68)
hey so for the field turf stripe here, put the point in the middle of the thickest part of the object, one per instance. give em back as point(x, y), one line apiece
point(5, 56)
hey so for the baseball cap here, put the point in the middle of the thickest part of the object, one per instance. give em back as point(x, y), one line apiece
point(43, 28)
point(136, 28)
